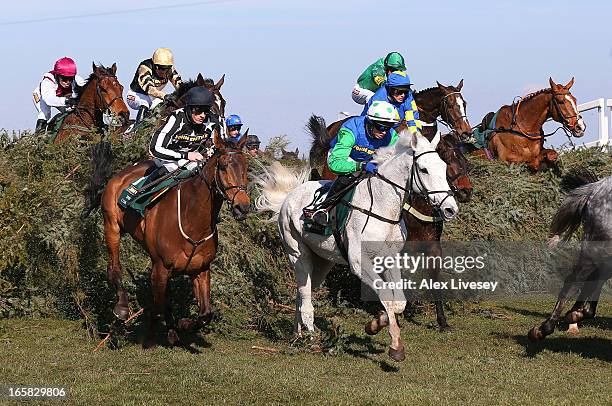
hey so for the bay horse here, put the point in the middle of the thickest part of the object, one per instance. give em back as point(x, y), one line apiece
point(517, 135)
point(179, 232)
point(101, 93)
point(589, 205)
point(377, 204)
point(102, 151)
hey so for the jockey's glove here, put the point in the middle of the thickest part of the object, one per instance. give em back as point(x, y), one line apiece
point(71, 101)
point(371, 167)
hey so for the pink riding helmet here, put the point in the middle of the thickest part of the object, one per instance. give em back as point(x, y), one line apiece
point(65, 67)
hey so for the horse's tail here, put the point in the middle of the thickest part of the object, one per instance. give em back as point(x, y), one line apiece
point(568, 218)
point(275, 183)
point(320, 139)
point(102, 159)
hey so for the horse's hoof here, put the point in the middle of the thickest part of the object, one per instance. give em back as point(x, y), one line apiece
point(371, 328)
point(186, 324)
point(380, 322)
point(573, 328)
point(574, 317)
point(399, 354)
point(173, 337)
point(535, 335)
point(445, 329)
point(121, 312)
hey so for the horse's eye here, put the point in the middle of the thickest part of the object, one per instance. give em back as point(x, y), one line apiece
point(424, 171)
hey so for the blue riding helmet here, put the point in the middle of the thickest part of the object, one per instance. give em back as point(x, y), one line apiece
point(233, 120)
point(398, 79)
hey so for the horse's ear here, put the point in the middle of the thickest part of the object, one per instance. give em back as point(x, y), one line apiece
point(200, 80)
point(460, 85)
point(436, 140)
point(439, 85)
point(414, 141)
point(570, 84)
point(94, 68)
point(552, 82)
point(297, 151)
point(243, 140)
point(220, 82)
point(113, 69)
point(217, 139)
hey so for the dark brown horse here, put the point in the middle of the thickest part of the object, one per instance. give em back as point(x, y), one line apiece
point(517, 135)
point(179, 232)
point(101, 94)
point(423, 223)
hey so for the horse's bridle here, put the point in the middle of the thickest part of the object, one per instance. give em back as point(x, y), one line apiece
point(446, 110)
point(219, 186)
point(100, 99)
point(414, 176)
point(564, 119)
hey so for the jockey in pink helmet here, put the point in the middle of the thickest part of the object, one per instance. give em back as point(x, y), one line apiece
point(56, 89)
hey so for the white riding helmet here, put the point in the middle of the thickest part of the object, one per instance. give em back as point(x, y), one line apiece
point(383, 112)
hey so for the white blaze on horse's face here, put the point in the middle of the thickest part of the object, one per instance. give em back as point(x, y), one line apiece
point(431, 176)
point(580, 126)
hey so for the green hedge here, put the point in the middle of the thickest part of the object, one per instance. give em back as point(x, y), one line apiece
point(53, 262)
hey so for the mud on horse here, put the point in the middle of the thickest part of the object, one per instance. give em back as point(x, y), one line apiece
point(589, 205)
point(179, 232)
point(516, 133)
point(102, 93)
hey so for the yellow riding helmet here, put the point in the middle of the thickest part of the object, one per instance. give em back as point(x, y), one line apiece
point(163, 56)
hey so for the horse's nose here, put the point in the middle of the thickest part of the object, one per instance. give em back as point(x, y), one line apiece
point(240, 211)
point(449, 213)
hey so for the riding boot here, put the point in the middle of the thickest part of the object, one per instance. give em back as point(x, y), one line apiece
point(157, 173)
point(41, 125)
point(319, 213)
point(142, 113)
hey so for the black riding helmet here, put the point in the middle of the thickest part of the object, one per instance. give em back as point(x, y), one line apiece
point(252, 141)
point(199, 96)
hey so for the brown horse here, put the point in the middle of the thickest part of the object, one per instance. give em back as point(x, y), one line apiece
point(423, 223)
point(179, 232)
point(518, 136)
point(101, 94)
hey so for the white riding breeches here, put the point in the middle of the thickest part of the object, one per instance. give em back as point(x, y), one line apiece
point(361, 95)
point(135, 100)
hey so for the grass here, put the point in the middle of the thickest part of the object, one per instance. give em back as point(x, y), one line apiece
point(485, 360)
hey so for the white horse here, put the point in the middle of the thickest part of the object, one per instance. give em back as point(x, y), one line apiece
point(410, 165)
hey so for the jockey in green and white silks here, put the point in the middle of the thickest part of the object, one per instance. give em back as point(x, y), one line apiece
point(58, 89)
point(353, 148)
point(375, 76)
point(397, 92)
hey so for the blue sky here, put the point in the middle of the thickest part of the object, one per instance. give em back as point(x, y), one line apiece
point(284, 60)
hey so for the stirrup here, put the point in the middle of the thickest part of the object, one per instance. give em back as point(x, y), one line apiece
point(321, 217)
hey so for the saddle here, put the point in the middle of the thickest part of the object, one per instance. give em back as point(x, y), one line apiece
point(338, 212)
point(141, 194)
point(55, 123)
point(482, 133)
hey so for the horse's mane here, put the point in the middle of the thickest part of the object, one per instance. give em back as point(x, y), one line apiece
point(92, 75)
point(402, 145)
point(190, 84)
point(536, 93)
point(430, 90)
